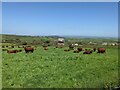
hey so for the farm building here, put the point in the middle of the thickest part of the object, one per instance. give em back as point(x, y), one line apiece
point(105, 43)
point(113, 44)
point(61, 42)
point(92, 43)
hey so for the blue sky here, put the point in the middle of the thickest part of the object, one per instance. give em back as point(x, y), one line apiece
point(60, 18)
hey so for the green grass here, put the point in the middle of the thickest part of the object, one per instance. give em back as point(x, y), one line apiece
point(59, 69)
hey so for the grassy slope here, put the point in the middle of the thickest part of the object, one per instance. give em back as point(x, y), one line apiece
point(56, 68)
point(31, 38)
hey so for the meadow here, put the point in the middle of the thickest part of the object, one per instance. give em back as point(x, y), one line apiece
point(54, 68)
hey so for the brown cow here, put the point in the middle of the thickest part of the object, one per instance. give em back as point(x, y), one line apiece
point(76, 51)
point(101, 50)
point(29, 49)
point(13, 51)
point(87, 52)
point(79, 49)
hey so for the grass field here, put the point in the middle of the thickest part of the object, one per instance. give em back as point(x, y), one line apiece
point(58, 69)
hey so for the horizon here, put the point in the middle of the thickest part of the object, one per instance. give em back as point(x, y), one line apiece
point(95, 19)
point(65, 36)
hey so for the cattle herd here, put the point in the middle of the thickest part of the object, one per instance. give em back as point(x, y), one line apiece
point(31, 49)
point(88, 51)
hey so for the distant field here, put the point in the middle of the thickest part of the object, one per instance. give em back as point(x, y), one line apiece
point(59, 69)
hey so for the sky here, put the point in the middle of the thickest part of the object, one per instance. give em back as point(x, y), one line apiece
point(60, 18)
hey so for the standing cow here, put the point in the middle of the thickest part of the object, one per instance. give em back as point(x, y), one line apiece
point(79, 49)
point(29, 49)
point(101, 50)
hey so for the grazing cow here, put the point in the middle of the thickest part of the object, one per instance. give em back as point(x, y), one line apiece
point(87, 52)
point(76, 51)
point(29, 49)
point(13, 51)
point(66, 50)
point(101, 50)
point(79, 49)
point(94, 49)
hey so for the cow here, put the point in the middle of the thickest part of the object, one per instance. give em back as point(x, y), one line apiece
point(79, 49)
point(13, 51)
point(28, 49)
point(87, 52)
point(76, 51)
point(101, 50)
point(66, 50)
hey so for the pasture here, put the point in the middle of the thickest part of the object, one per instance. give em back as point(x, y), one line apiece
point(55, 68)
